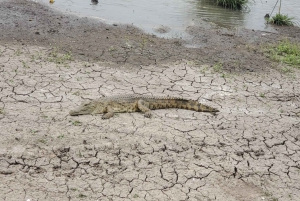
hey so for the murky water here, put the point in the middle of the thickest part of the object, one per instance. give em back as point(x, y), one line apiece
point(150, 15)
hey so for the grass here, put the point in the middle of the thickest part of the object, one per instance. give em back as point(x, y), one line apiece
point(77, 93)
point(61, 136)
point(44, 116)
point(57, 58)
point(25, 65)
point(43, 141)
point(218, 67)
point(76, 123)
point(270, 196)
point(286, 52)
point(81, 196)
point(262, 95)
point(143, 42)
point(112, 48)
point(281, 20)
point(18, 52)
point(203, 69)
point(37, 56)
point(287, 70)
point(33, 131)
point(233, 4)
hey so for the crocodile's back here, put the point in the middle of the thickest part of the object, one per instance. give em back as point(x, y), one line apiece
point(155, 102)
point(135, 103)
point(133, 97)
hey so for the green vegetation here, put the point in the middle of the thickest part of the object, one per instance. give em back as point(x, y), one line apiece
point(44, 116)
point(37, 56)
point(218, 67)
point(79, 154)
point(76, 123)
point(281, 20)
point(81, 196)
point(270, 196)
point(233, 4)
point(203, 69)
point(143, 42)
point(25, 65)
point(57, 58)
point(112, 48)
point(286, 52)
point(33, 131)
point(262, 95)
point(18, 52)
point(43, 141)
point(61, 136)
point(287, 70)
point(77, 93)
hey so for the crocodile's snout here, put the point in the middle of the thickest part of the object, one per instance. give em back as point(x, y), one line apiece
point(73, 113)
point(86, 108)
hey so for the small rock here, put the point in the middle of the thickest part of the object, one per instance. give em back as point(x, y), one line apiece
point(297, 138)
point(162, 29)
point(259, 152)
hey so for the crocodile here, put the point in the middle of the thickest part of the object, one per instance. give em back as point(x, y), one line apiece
point(135, 103)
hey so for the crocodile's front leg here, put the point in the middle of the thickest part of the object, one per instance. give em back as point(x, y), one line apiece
point(142, 106)
point(110, 113)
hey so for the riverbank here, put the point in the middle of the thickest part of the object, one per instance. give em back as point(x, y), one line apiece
point(51, 62)
point(29, 23)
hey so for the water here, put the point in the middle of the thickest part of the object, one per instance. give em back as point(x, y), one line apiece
point(150, 15)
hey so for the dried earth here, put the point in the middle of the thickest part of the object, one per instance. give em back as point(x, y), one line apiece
point(50, 63)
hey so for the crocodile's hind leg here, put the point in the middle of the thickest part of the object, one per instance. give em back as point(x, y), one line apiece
point(144, 108)
point(110, 113)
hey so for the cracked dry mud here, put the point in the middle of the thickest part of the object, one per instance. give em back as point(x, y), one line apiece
point(249, 151)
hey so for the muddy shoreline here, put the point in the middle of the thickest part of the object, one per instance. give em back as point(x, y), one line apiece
point(50, 63)
point(29, 23)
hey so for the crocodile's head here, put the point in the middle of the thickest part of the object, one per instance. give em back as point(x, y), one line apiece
point(85, 108)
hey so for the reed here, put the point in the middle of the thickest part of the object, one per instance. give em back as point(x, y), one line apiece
point(233, 4)
point(281, 20)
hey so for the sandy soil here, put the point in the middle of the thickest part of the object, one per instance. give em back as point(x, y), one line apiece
point(50, 63)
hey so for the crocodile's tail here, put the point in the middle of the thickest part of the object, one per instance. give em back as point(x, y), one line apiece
point(181, 104)
point(196, 106)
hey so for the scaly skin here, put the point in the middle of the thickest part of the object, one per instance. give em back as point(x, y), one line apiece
point(136, 103)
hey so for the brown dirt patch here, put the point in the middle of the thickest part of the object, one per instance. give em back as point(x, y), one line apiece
point(249, 151)
point(26, 22)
